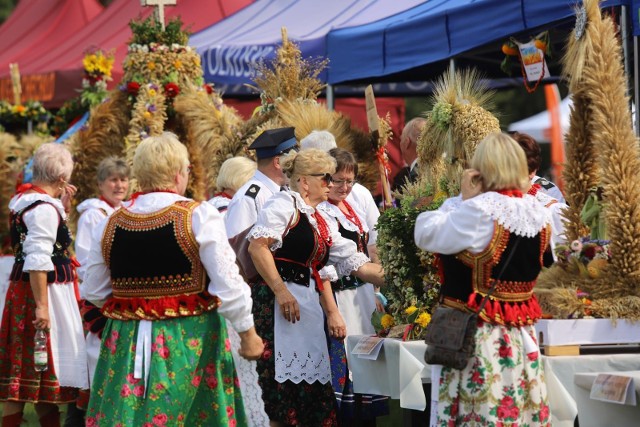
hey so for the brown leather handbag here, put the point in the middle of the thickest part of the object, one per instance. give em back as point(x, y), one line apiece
point(450, 335)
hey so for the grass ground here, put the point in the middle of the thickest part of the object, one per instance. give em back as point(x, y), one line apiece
point(30, 418)
point(394, 419)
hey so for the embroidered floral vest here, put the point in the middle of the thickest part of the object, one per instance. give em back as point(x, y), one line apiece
point(156, 272)
point(466, 278)
point(64, 268)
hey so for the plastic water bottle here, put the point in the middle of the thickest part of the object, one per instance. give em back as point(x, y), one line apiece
point(40, 357)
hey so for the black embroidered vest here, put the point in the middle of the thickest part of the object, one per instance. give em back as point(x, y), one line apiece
point(468, 277)
point(63, 268)
point(302, 248)
point(155, 265)
point(361, 240)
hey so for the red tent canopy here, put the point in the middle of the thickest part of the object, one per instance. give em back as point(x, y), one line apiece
point(36, 27)
point(54, 75)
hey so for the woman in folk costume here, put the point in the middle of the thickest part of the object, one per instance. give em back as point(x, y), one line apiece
point(164, 274)
point(42, 295)
point(234, 173)
point(355, 298)
point(113, 184)
point(474, 235)
point(290, 245)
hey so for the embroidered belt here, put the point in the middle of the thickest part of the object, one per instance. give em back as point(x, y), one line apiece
point(167, 307)
point(346, 282)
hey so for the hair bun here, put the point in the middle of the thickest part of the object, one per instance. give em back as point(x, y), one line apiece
point(287, 162)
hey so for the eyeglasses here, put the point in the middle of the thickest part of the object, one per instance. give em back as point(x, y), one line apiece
point(341, 182)
point(326, 177)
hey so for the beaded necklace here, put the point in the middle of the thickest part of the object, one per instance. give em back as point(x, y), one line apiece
point(323, 228)
point(510, 193)
point(534, 189)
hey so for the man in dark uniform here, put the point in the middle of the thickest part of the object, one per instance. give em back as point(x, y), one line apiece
point(242, 212)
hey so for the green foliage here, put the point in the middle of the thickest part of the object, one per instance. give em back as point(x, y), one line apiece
point(410, 273)
point(149, 31)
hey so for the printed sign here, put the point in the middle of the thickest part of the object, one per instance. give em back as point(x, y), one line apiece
point(533, 61)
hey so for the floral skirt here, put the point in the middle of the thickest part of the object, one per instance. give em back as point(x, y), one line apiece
point(503, 384)
point(300, 404)
point(191, 381)
point(19, 381)
point(351, 406)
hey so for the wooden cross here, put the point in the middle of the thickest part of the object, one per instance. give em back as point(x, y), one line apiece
point(159, 4)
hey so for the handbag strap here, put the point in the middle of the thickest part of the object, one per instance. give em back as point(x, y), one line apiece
point(499, 276)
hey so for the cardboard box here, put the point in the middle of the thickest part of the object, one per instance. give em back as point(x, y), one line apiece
point(564, 332)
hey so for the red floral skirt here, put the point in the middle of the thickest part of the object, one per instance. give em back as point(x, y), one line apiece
point(19, 381)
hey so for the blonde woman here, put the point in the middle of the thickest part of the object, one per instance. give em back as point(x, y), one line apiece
point(234, 173)
point(164, 274)
point(474, 235)
point(291, 245)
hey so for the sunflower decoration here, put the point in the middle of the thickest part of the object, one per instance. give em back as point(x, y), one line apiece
point(162, 90)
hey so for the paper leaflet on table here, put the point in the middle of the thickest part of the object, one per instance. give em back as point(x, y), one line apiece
point(533, 61)
point(368, 348)
point(614, 389)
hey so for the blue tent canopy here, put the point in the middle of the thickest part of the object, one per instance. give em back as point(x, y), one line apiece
point(377, 40)
point(230, 48)
point(435, 31)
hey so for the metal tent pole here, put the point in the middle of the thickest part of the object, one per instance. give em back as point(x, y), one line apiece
point(330, 98)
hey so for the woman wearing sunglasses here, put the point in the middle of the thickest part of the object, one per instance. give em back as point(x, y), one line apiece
point(291, 245)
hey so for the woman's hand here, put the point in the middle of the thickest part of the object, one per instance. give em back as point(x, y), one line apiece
point(471, 184)
point(251, 345)
point(68, 191)
point(336, 326)
point(288, 304)
point(42, 318)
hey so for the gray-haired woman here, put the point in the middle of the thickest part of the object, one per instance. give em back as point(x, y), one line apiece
point(42, 295)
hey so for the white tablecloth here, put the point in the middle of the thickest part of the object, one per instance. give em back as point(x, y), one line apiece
point(400, 371)
point(595, 413)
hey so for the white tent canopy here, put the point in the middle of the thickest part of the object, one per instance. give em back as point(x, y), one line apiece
point(539, 125)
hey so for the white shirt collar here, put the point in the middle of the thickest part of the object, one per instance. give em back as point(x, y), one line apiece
point(268, 182)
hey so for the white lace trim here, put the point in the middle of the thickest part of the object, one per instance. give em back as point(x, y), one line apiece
point(248, 377)
point(303, 368)
point(352, 263)
point(328, 272)
point(521, 216)
point(259, 231)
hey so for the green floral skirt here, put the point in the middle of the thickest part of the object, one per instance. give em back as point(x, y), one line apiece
point(192, 379)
